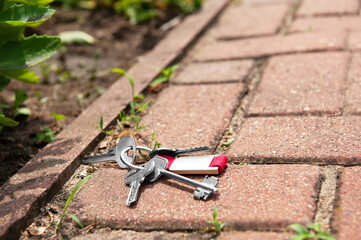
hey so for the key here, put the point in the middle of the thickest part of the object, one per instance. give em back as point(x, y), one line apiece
point(175, 152)
point(108, 156)
point(114, 153)
point(204, 194)
point(135, 179)
point(160, 169)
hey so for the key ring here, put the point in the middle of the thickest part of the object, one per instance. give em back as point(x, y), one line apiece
point(129, 164)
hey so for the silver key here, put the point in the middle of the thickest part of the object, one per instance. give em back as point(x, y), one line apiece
point(108, 156)
point(204, 194)
point(114, 153)
point(135, 180)
point(160, 169)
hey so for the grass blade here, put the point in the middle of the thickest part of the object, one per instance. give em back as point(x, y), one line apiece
point(76, 219)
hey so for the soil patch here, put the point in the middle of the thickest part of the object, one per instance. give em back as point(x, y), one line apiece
point(73, 78)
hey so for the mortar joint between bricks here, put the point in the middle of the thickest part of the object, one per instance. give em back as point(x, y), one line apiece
point(345, 110)
point(289, 18)
point(327, 196)
point(252, 81)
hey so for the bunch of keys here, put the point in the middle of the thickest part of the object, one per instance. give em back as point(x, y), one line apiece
point(161, 160)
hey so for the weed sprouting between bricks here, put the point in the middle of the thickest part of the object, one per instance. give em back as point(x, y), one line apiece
point(166, 74)
point(70, 198)
point(137, 104)
point(218, 226)
point(313, 231)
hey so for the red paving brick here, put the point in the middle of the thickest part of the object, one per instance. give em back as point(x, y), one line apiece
point(320, 140)
point(215, 72)
point(266, 46)
point(328, 7)
point(245, 21)
point(302, 84)
point(354, 41)
point(331, 23)
point(348, 207)
point(249, 235)
point(353, 97)
point(196, 115)
point(266, 2)
point(253, 197)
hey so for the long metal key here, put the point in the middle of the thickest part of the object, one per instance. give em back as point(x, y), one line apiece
point(108, 156)
point(175, 152)
point(135, 179)
point(160, 169)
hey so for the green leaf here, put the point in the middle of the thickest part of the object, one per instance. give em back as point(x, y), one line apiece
point(23, 111)
point(74, 191)
point(300, 237)
point(4, 81)
point(20, 97)
point(58, 117)
point(101, 123)
point(299, 228)
point(76, 37)
point(323, 235)
point(144, 106)
point(11, 34)
point(34, 2)
point(24, 15)
point(120, 71)
point(22, 75)
point(27, 52)
point(76, 219)
point(71, 198)
point(131, 81)
point(215, 213)
point(158, 80)
point(315, 226)
point(8, 122)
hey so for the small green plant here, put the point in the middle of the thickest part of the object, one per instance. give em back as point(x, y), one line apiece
point(137, 104)
point(165, 75)
point(58, 117)
point(313, 231)
point(70, 198)
point(218, 226)
point(228, 142)
point(136, 10)
point(46, 135)
point(16, 110)
point(153, 142)
point(101, 127)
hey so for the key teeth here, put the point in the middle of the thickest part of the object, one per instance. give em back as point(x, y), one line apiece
point(202, 194)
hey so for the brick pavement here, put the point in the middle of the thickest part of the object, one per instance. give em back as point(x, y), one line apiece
point(299, 110)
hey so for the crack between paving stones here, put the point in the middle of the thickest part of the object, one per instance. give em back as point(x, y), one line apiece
point(326, 196)
point(337, 208)
point(345, 110)
point(289, 18)
point(252, 81)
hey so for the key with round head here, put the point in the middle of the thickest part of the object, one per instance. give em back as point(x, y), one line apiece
point(113, 154)
point(135, 179)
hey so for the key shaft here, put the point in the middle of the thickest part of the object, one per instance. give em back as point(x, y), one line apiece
point(188, 181)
